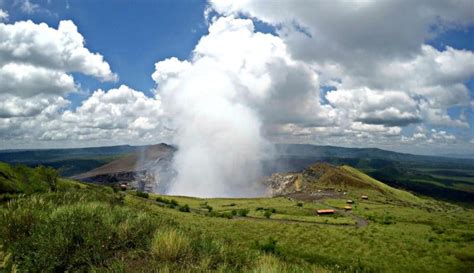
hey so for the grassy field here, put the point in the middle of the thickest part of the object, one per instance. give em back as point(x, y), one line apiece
point(83, 227)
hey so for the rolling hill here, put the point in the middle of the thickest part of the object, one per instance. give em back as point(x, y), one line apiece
point(323, 180)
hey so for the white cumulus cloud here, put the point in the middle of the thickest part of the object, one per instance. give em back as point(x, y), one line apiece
point(37, 61)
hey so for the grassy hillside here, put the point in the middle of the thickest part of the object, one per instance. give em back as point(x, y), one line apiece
point(384, 188)
point(83, 227)
point(326, 180)
point(16, 179)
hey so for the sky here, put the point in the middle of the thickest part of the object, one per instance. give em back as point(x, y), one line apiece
point(396, 75)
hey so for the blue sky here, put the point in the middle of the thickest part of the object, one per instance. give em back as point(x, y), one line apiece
point(132, 36)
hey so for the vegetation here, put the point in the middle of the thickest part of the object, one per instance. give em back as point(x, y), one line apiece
point(267, 214)
point(270, 246)
point(83, 227)
point(184, 208)
point(142, 194)
point(243, 212)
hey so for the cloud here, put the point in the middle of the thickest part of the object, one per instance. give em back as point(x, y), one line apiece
point(390, 108)
point(442, 136)
point(57, 49)
point(120, 115)
point(27, 6)
point(339, 30)
point(3, 15)
point(375, 58)
point(122, 108)
point(12, 106)
point(27, 80)
point(37, 62)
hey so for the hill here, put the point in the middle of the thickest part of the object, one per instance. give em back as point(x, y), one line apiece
point(84, 227)
point(148, 168)
point(20, 179)
point(322, 180)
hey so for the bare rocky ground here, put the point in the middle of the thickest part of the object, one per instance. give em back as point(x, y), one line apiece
point(147, 170)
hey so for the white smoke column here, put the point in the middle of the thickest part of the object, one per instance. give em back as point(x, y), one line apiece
point(218, 138)
point(219, 141)
point(215, 102)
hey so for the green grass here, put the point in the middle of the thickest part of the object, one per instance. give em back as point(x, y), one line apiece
point(379, 246)
point(398, 194)
point(82, 227)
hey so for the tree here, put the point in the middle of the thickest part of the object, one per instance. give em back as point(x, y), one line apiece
point(23, 173)
point(49, 175)
point(267, 214)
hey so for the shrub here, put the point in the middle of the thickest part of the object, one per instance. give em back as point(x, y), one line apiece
point(234, 212)
point(267, 214)
point(184, 208)
point(272, 210)
point(243, 212)
point(49, 175)
point(171, 203)
point(259, 209)
point(299, 204)
point(161, 200)
point(119, 198)
point(174, 203)
point(227, 215)
point(209, 208)
point(270, 246)
point(142, 194)
point(170, 245)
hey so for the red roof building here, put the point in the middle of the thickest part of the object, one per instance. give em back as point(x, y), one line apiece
point(325, 211)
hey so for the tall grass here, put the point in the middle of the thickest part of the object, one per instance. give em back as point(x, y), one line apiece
point(170, 245)
point(52, 233)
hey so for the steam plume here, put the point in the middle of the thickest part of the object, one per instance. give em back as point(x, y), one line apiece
point(218, 103)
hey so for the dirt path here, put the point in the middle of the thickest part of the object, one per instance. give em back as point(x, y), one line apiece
point(361, 222)
point(293, 221)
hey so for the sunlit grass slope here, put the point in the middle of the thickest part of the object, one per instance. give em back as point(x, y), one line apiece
point(384, 188)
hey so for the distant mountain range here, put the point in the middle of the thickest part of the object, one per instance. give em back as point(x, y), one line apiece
point(441, 177)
